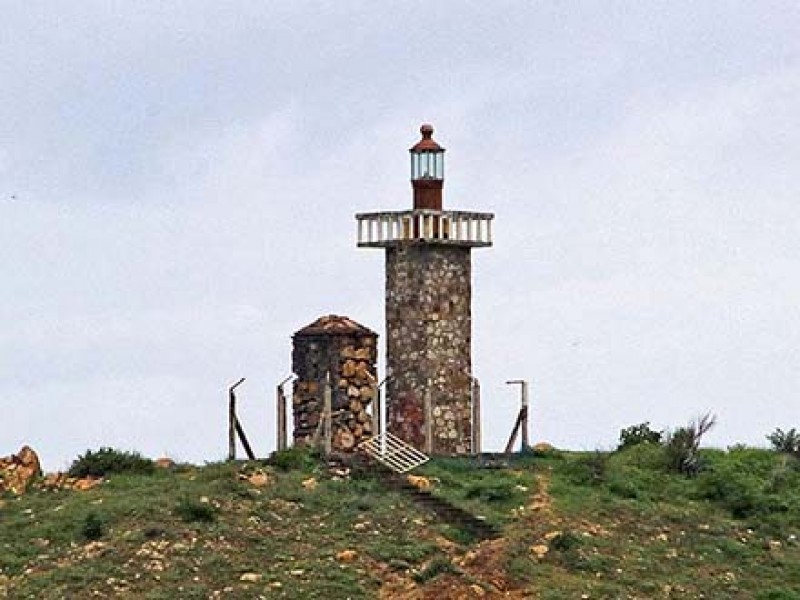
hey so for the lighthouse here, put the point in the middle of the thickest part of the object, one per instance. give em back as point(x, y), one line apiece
point(430, 387)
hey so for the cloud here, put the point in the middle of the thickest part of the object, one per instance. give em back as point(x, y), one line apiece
point(187, 178)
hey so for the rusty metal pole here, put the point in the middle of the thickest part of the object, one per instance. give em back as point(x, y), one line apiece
point(280, 398)
point(376, 410)
point(476, 416)
point(522, 418)
point(327, 416)
point(428, 422)
point(232, 419)
point(525, 413)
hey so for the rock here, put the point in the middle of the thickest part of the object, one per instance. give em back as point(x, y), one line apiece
point(18, 471)
point(346, 556)
point(250, 577)
point(54, 481)
point(539, 551)
point(421, 483)
point(259, 479)
point(310, 483)
point(543, 447)
point(86, 483)
point(477, 590)
point(165, 463)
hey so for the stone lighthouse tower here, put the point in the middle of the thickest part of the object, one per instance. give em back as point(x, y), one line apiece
point(429, 395)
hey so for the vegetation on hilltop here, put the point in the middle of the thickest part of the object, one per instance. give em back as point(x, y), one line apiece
point(574, 524)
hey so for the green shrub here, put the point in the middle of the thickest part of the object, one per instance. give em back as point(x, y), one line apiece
point(298, 458)
point(739, 492)
point(108, 460)
point(638, 434)
point(93, 527)
point(589, 469)
point(787, 442)
point(193, 511)
point(566, 540)
point(683, 445)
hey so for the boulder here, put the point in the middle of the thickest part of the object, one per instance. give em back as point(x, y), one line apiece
point(18, 471)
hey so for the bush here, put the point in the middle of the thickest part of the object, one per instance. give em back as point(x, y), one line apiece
point(739, 492)
point(298, 458)
point(588, 469)
point(787, 442)
point(566, 540)
point(683, 445)
point(93, 527)
point(193, 511)
point(638, 434)
point(108, 460)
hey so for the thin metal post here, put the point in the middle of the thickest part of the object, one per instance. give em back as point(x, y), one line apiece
point(525, 411)
point(327, 416)
point(232, 419)
point(376, 410)
point(476, 416)
point(280, 411)
point(428, 423)
point(522, 418)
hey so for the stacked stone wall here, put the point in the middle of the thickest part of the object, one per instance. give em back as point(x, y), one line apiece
point(428, 328)
point(350, 359)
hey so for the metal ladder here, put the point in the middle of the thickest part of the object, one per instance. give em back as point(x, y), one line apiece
point(394, 453)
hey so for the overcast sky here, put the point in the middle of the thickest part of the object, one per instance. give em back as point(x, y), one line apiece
point(178, 182)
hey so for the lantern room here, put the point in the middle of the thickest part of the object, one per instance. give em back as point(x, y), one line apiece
point(427, 171)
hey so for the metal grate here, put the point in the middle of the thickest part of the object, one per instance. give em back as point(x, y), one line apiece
point(393, 452)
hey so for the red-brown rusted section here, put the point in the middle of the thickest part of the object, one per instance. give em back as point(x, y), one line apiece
point(427, 143)
point(428, 194)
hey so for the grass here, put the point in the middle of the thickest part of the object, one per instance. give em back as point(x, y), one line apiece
point(613, 525)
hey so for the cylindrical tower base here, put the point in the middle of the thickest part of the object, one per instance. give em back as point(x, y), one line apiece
point(429, 363)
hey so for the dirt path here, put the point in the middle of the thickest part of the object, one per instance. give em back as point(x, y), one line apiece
point(482, 568)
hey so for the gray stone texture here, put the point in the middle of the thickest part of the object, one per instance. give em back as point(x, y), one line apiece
point(428, 329)
point(340, 350)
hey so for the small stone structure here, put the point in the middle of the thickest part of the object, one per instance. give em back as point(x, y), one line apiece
point(338, 350)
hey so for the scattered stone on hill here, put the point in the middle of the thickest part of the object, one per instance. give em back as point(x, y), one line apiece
point(310, 483)
point(61, 481)
point(346, 555)
point(539, 551)
point(543, 447)
point(255, 476)
point(421, 483)
point(165, 463)
point(18, 471)
point(86, 483)
point(250, 577)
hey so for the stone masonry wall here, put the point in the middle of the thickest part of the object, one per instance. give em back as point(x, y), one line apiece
point(348, 352)
point(428, 328)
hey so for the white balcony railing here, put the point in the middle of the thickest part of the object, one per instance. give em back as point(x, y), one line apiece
point(459, 228)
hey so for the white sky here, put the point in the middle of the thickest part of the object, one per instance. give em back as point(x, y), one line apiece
point(178, 182)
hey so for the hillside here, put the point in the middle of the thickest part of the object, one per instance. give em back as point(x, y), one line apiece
point(571, 525)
